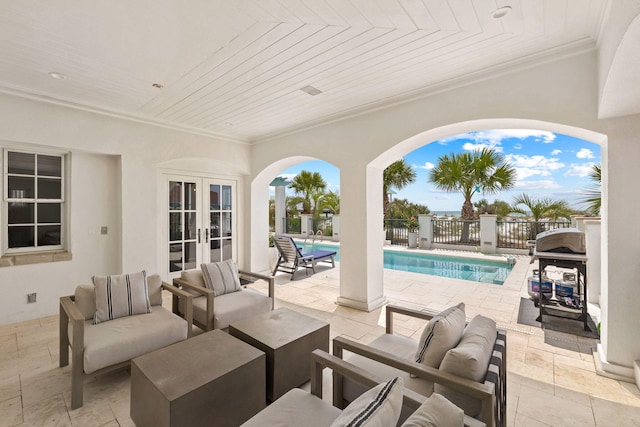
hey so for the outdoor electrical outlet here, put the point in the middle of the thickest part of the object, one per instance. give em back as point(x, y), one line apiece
point(103, 229)
point(31, 298)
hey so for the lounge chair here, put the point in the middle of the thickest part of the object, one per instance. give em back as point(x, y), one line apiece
point(291, 257)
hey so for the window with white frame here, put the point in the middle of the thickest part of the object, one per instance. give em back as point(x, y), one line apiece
point(34, 203)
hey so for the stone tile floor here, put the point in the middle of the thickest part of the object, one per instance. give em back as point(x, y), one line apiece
point(551, 375)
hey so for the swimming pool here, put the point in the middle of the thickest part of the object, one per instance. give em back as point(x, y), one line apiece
point(494, 272)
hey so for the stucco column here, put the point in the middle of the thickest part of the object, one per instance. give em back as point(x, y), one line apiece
point(280, 209)
point(361, 241)
point(488, 233)
point(620, 293)
point(425, 233)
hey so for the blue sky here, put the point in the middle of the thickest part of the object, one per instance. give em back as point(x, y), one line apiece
point(548, 165)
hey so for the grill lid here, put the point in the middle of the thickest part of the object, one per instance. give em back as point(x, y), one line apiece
point(561, 240)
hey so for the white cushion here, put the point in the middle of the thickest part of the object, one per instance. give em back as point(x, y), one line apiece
point(295, 408)
point(122, 339)
point(85, 300)
point(120, 295)
point(441, 334)
point(470, 359)
point(379, 406)
point(193, 276)
point(229, 308)
point(221, 277)
point(154, 285)
point(436, 411)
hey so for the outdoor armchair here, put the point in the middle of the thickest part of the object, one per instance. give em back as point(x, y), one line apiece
point(290, 257)
point(211, 311)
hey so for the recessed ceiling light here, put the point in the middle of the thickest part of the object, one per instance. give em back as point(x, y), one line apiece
point(311, 90)
point(157, 85)
point(501, 12)
point(58, 76)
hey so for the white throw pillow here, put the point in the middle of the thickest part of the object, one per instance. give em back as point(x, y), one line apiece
point(221, 277)
point(441, 334)
point(436, 411)
point(379, 406)
point(470, 359)
point(120, 295)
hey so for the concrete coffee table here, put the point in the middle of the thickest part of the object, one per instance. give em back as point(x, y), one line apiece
point(211, 379)
point(287, 338)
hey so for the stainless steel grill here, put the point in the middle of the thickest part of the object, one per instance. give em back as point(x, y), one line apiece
point(561, 240)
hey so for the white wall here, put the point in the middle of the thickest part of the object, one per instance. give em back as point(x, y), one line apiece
point(115, 166)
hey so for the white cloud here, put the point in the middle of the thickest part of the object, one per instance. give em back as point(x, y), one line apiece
point(556, 152)
point(585, 153)
point(479, 146)
point(427, 166)
point(579, 170)
point(528, 166)
point(517, 146)
point(493, 138)
point(288, 176)
point(545, 184)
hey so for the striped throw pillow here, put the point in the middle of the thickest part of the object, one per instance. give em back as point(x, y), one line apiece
point(221, 277)
point(441, 334)
point(379, 406)
point(120, 295)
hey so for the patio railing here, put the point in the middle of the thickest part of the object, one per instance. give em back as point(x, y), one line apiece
point(456, 232)
point(396, 231)
point(514, 234)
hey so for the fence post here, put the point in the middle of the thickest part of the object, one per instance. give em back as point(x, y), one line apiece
point(488, 233)
point(335, 226)
point(425, 232)
point(306, 224)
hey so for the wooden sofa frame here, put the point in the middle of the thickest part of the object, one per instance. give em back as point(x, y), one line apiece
point(492, 393)
point(70, 312)
point(208, 293)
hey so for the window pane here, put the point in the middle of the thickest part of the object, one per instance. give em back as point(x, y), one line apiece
point(21, 187)
point(214, 197)
point(49, 213)
point(20, 237)
point(190, 225)
point(175, 257)
point(226, 224)
point(21, 213)
point(189, 255)
point(49, 188)
point(23, 163)
point(189, 196)
point(48, 235)
point(226, 197)
point(215, 224)
point(227, 251)
point(175, 226)
point(49, 165)
point(175, 195)
point(214, 249)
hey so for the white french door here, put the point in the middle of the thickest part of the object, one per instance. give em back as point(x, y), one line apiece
point(201, 222)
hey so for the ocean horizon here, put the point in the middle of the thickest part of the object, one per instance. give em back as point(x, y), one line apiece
point(447, 213)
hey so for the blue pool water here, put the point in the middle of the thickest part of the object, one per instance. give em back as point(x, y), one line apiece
point(494, 272)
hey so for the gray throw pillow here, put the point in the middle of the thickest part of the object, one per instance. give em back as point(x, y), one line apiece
point(221, 277)
point(436, 411)
point(377, 407)
point(441, 334)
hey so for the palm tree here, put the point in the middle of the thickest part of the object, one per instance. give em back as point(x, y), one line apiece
point(483, 170)
point(539, 208)
point(306, 184)
point(331, 201)
point(397, 175)
point(594, 192)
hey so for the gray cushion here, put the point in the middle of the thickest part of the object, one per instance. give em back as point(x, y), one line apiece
point(295, 408)
point(441, 334)
point(379, 406)
point(85, 300)
point(122, 339)
point(154, 285)
point(436, 411)
point(120, 295)
point(229, 308)
point(193, 276)
point(470, 359)
point(221, 277)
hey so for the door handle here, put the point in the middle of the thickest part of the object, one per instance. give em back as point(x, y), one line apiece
point(198, 235)
point(206, 235)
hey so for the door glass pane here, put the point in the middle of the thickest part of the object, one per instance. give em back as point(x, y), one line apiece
point(214, 197)
point(22, 163)
point(49, 213)
point(214, 251)
point(21, 213)
point(226, 224)
point(21, 187)
point(190, 225)
point(175, 226)
point(226, 197)
point(227, 249)
point(175, 195)
point(189, 255)
point(49, 188)
point(48, 235)
point(215, 224)
point(190, 196)
point(175, 257)
point(20, 237)
point(49, 165)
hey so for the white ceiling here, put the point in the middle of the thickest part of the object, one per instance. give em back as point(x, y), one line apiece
point(234, 67)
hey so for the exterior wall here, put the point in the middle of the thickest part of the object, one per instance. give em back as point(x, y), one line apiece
point(114, 181)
